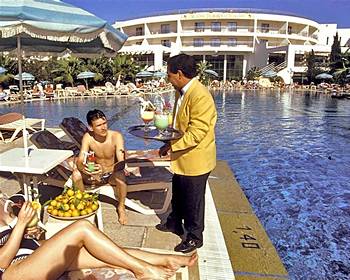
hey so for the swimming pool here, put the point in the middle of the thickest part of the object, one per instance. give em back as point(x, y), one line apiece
point(290, 153)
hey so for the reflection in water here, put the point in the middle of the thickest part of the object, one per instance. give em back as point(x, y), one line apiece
point(291, 155)
point(289, 152)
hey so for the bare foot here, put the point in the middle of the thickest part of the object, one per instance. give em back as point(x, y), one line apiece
point(174, 262)
point(155, 273)
point(122, 215)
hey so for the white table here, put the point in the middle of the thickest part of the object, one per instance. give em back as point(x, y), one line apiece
point(39, 162)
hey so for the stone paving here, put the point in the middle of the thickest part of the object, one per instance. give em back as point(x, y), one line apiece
point(140, 231)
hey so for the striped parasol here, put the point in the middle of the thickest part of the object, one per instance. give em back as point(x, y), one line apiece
point(52, 26)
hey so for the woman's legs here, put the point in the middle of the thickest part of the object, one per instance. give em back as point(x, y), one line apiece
point(172, 262)
point(58, 254)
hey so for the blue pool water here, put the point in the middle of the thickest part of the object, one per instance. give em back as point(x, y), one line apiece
point(290, 152)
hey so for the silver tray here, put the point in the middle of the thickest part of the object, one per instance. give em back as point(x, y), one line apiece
point(153, 133)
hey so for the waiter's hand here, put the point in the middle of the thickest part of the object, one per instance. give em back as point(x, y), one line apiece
point(163, 150)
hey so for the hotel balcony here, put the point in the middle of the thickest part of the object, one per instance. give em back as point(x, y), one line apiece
point(224, 30)
point(213, 45)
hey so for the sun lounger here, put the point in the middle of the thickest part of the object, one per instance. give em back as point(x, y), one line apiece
point(142, 177)
point(14, 122)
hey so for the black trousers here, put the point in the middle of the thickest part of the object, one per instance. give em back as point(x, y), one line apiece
point(188, 204)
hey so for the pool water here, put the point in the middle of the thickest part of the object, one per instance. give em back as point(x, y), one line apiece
point(290, 152)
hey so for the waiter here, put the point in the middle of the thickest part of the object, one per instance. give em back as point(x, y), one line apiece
point(193, 156)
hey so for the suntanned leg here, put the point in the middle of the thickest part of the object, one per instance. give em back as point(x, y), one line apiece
point(172, 262)
point(120, 187)
point(78, 179)
point(60, 252)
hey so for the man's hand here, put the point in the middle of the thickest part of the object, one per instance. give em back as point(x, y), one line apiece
point(98, 170)
point(163, 150)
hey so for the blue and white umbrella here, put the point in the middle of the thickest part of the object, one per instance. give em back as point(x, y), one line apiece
point(52, 26)
point(86, 75)
point(144, 74)
point(211, 72)
point(25, 77)
point(270, 74)
point(324, 76)
point(159, 74)
point(2, 70)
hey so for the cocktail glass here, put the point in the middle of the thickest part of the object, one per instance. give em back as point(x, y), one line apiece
point(147, 117)
point(161, 122)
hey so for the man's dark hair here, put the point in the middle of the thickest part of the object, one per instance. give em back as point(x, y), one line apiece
point(94, 115)
point(183, 62)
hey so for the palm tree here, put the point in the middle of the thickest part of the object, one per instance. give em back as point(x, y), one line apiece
point(341, 73)
point(124, 66)
point(10, 65)
point(67, 69)
point(100, 66)
point(203, 76)
point(253, 73)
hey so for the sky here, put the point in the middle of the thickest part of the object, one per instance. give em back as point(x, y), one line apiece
point(322, 11)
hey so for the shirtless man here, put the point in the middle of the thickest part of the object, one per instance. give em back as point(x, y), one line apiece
point(108, 147)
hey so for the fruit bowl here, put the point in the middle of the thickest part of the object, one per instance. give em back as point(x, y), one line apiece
point(73, 218)
point(73, 205)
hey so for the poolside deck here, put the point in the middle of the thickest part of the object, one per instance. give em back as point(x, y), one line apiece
point(236, 245)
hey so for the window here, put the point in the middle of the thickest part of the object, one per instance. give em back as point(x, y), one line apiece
point(216, 26)
point(232, 42)
point(199, 27)
point(289, 30)
point(265, 27)
point(165, 28)
point(232, 26)
point(215, 42)
point(139, 31)
point(198, 42)
point(166, 43)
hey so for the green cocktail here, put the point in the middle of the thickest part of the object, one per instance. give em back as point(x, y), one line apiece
point(161, 122)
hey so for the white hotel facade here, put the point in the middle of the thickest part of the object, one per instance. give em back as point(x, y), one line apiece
point(232, 40)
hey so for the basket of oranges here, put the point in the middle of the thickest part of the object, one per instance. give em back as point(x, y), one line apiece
point(73, 205)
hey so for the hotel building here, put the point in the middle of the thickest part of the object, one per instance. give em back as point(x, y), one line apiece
point(232, 40)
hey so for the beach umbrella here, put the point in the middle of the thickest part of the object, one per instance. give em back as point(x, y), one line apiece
point(159, 74)
point(324, 76)
point(51, 27)
point(211, 72)
point(25, 77)
point(86, 75)
point(144, 74)
point(270, 74)
point(2, 70)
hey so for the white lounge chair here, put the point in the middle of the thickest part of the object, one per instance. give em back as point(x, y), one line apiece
point(14, 122)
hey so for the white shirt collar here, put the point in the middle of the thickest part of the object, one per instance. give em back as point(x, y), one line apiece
point(187, 86)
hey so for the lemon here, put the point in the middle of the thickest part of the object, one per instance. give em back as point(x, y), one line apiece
point(70, 192)
point(36, 205)
point(88, 210)
point(83, 212)
point(60, 213)
point(80, 206)
point(65, 207)
point(65, 200)
point(54, 212)
point(71, 206)
point(53, 203)
point(75, 213)
point(94, 207)
point(67, 214)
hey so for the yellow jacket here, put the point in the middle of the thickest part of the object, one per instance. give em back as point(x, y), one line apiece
point(195, 153)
